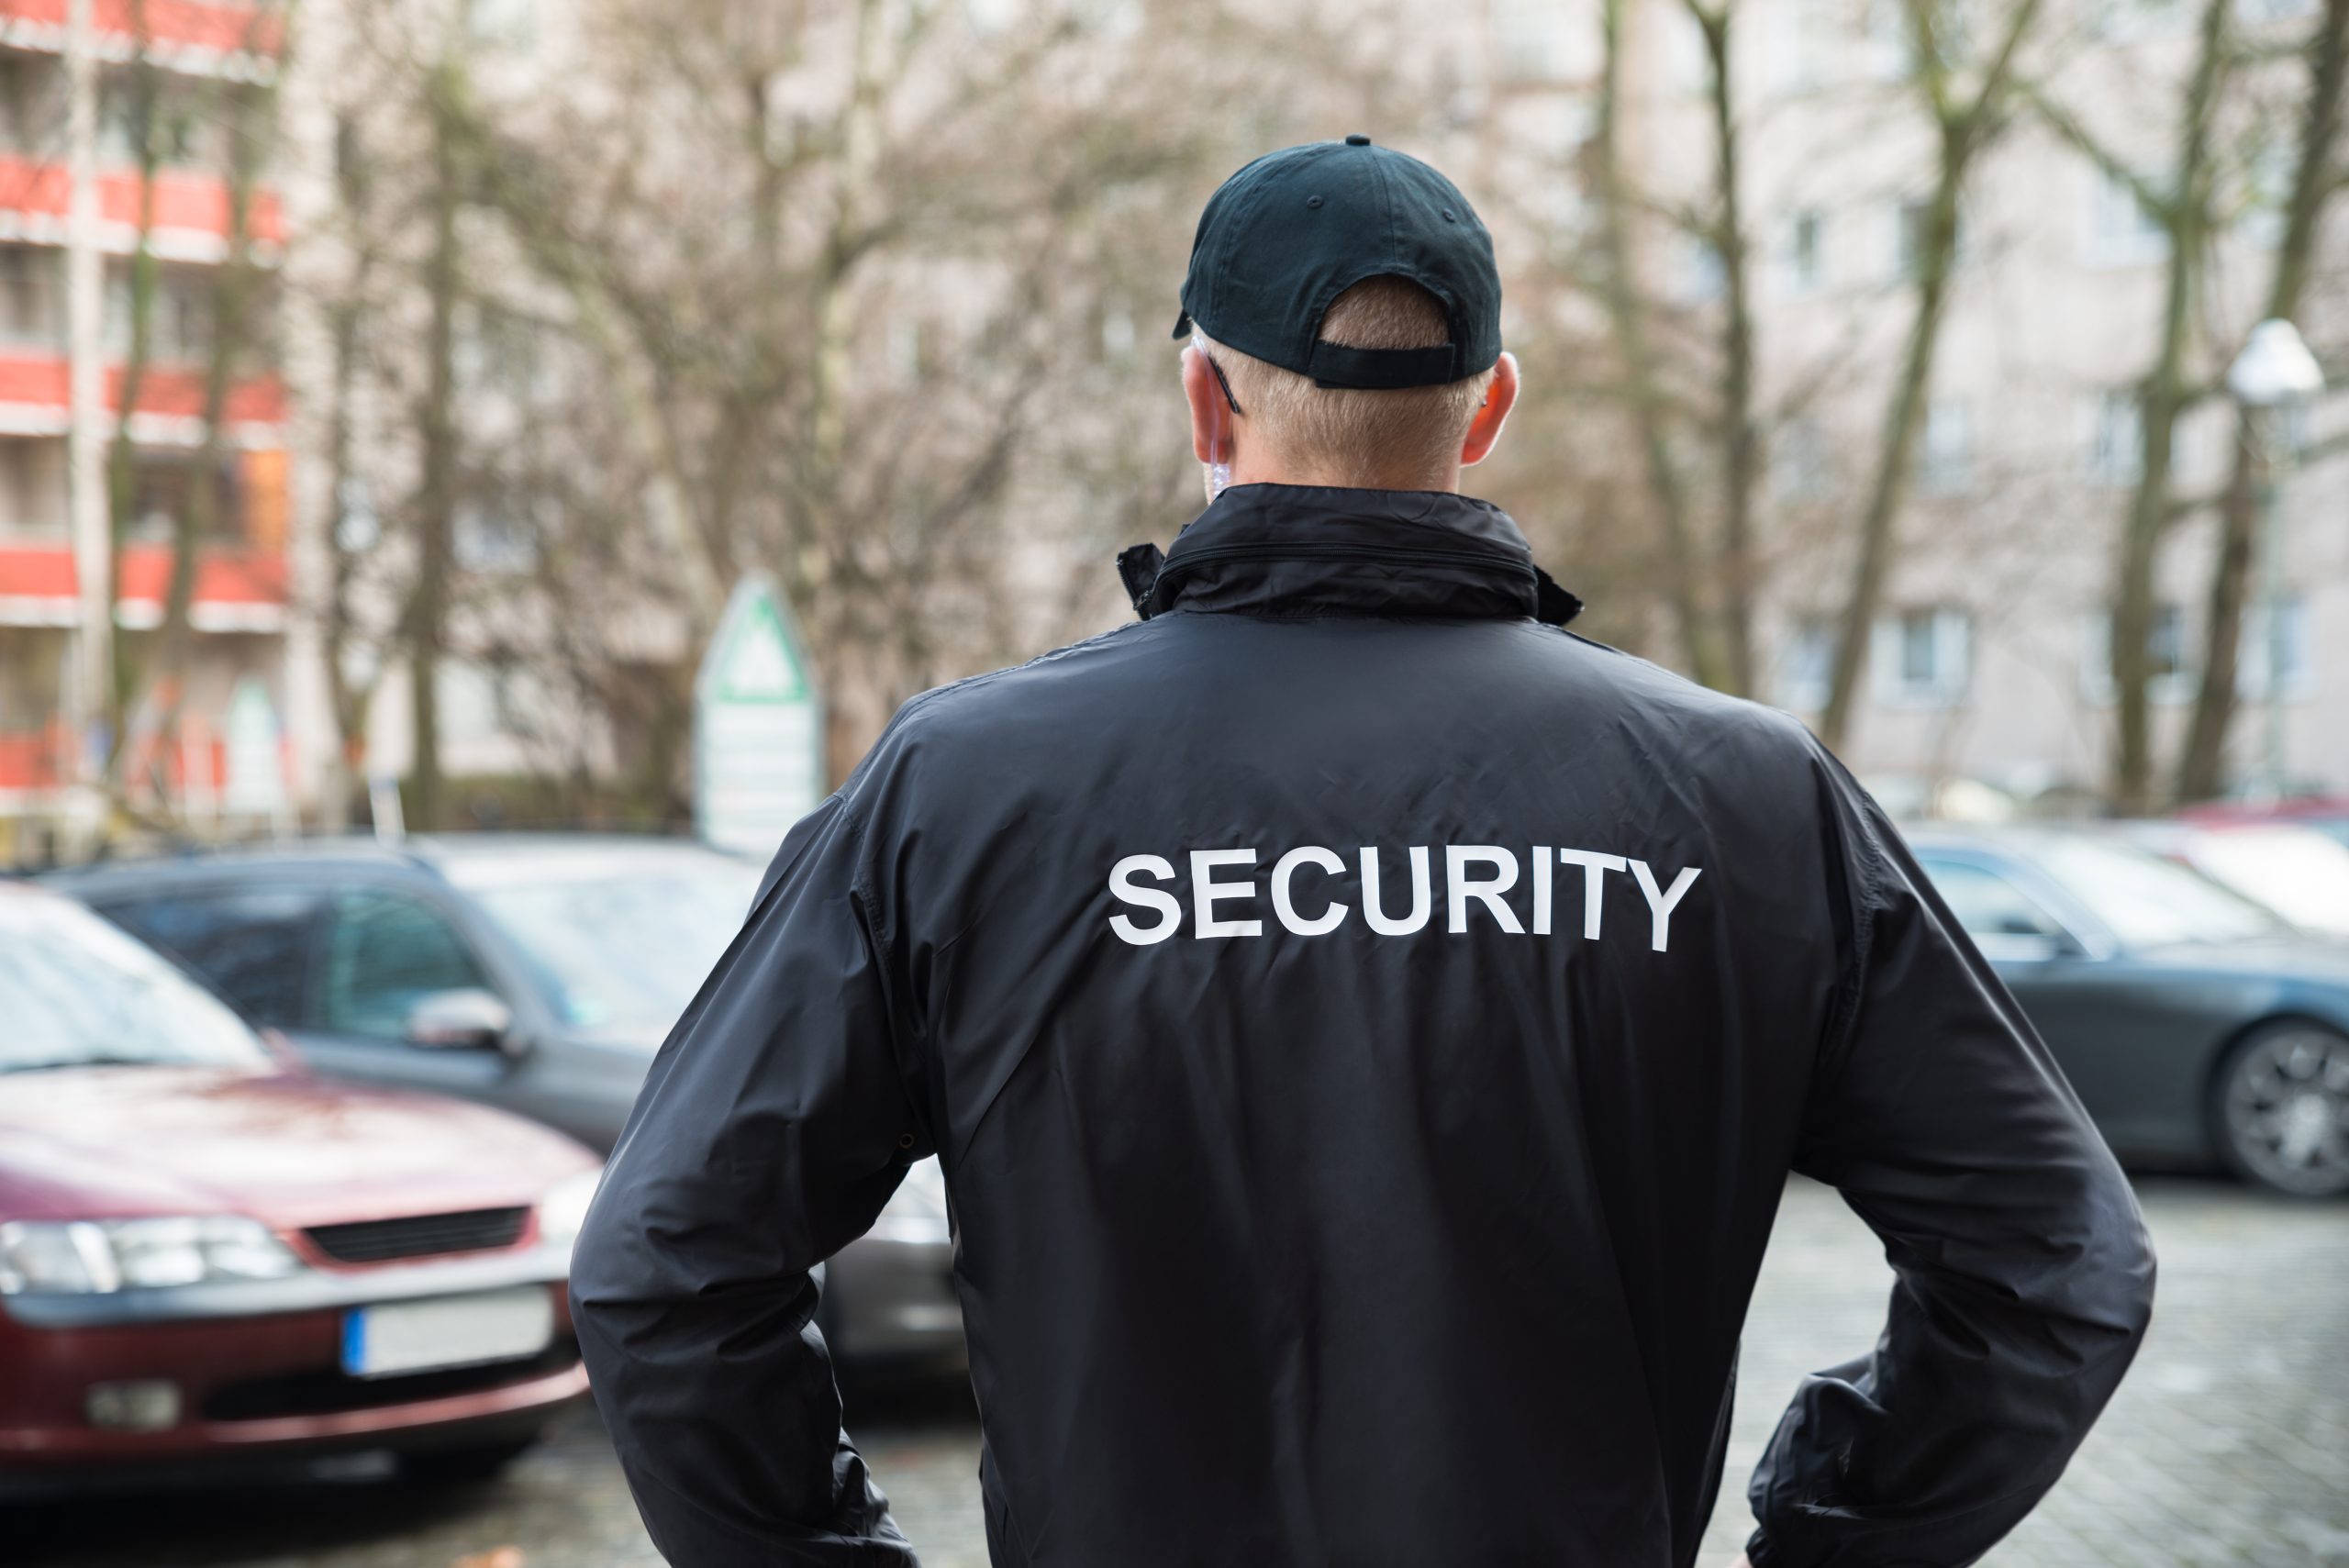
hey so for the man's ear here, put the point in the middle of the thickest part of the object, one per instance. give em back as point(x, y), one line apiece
point(1211, 414)
point(1485, 428)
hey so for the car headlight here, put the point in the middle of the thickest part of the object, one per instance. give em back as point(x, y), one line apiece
point(98, 1257)
point(564, 1208)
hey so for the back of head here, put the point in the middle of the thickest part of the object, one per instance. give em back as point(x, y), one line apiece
point(1386, 438)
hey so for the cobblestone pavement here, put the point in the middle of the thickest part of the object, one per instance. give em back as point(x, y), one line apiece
point(2229, 1443)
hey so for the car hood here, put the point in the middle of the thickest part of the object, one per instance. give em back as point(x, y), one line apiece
point(100, 1143)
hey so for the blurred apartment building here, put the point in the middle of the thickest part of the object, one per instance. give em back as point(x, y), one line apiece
point(201, 741)
point(1990, 662)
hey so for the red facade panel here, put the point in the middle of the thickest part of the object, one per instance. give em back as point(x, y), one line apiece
point(229, 29)
point(44, 381)
point(39, 194)
point(45, 571)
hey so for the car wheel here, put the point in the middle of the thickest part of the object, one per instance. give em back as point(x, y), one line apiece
point(2281, 1109)
point(470, 1462)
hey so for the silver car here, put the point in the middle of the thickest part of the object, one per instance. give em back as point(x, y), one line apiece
point(535, 972)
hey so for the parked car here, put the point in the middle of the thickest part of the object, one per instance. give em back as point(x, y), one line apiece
point(2325, 814)
point(207, 1254)
point(535, 972)
point(2300, 872)
point(2197, 1026)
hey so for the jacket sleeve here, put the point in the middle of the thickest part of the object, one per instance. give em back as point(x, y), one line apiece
point(2023, 1275)
point(774, 1125)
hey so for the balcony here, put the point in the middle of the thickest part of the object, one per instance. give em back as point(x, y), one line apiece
point(198, 38)
point(36, 399)
point(191, 218)
point(237, 589)
point(34, 763)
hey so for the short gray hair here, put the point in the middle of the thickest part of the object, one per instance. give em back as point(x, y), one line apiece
point(1410, 432)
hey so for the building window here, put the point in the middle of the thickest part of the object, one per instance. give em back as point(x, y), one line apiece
point(2257, 11)
point(2258, 655)
point(32, 487)
point(32, 308)
point(1924, 656)
point(2115, 438)
point(2122, 21)
point(1687, 56)
point(2171, 667)
point(2268, 177)
point(1946, 465)
point(1891, 44)
point(1805, 251)
point(502, 23)
point(1911, 233)
point(992, 15)
point(1798, 470)
point(1531, 37)
point(1803, 45)
point(494, 535)
point(1702, 276)
point(2122, 232)
point(1807, 668)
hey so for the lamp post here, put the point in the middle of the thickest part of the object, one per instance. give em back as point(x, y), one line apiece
point(2273, 375)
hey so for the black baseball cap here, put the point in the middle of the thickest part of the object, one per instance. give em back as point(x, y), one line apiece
point(1284, 237)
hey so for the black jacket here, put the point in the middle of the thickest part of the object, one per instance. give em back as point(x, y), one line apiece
point(1366, 1030)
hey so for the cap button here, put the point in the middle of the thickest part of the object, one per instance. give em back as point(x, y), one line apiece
point(1357, 139)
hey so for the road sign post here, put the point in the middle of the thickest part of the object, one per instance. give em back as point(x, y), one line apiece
point(758, 725)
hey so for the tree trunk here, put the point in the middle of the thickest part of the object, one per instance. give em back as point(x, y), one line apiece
point(2201, 764)
point(1964, 130)
point(437, 497)
point(199, 521)
point(144, 83)
point(1741, 445)
point(1682, 561)
point(1896, 452)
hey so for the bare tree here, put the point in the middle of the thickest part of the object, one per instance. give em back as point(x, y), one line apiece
point(840, 357)
point(2317, 178)
point(1967, 105)
point(1646, 400)
point(2180, 203)
point(246, 117)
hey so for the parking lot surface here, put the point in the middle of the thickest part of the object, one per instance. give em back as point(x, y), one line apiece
point(2229, 1443)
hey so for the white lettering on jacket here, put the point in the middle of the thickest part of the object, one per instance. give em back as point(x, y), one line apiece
point(1305, 890)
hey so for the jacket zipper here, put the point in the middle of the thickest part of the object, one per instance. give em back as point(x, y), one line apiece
point(1301, 551)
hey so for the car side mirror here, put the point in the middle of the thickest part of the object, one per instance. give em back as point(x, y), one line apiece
point(470, 1019)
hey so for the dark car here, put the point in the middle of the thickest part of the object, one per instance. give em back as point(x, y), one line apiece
point(535, 972)
point(2198, 1027)
point(208, 1255)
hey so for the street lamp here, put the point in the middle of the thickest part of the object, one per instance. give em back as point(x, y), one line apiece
point(2273, 375)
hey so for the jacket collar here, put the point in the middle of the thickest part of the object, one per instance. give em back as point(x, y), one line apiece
point(1317, 549)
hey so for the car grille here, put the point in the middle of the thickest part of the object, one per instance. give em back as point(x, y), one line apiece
point(420, 1236)
point(324, 1392)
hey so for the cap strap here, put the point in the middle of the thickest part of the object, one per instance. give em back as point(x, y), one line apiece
point(1335, 364)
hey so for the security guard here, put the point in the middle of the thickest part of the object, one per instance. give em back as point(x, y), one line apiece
point(1366, 1029)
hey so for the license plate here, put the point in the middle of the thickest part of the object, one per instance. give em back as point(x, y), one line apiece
point(457, 1330)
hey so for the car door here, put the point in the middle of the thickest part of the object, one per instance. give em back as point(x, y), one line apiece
point(2101, 1013)
point(381, 949)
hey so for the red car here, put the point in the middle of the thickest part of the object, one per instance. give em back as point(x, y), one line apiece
point(208, 1255)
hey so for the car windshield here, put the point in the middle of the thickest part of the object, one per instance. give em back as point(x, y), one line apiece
point(2300, 873)
point(620, 942)
point(77, 992)
point(2148, 901)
